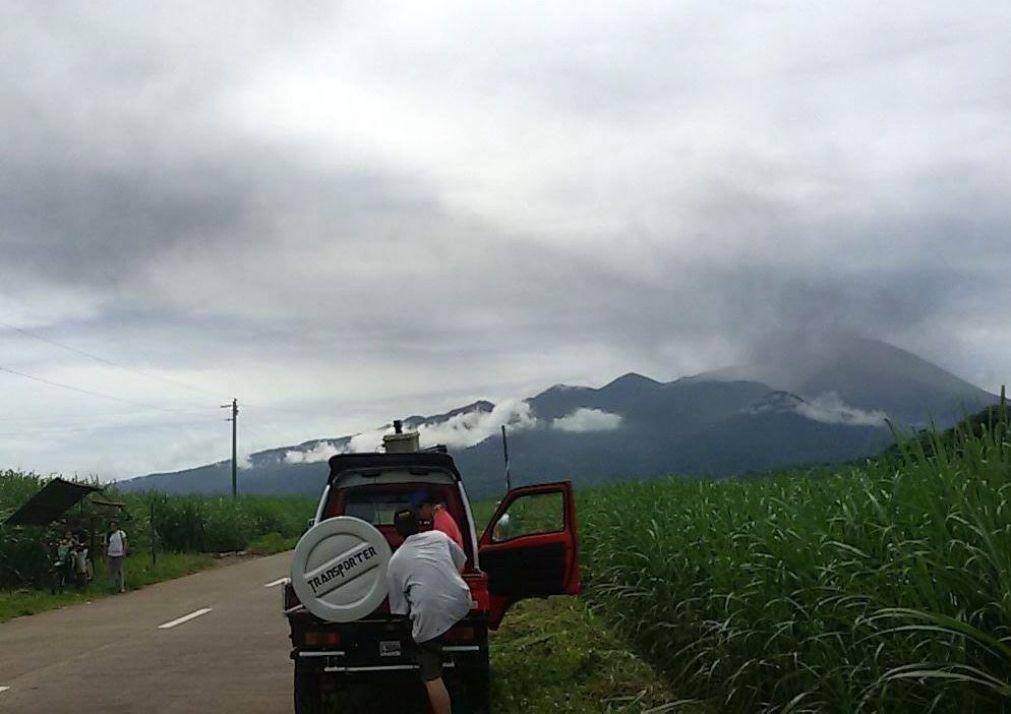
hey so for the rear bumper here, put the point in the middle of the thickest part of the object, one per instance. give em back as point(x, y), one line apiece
point(336, 663)
point(385, 646)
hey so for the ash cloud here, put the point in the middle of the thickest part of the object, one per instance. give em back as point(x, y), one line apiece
point(336, 199)
point(830, 409)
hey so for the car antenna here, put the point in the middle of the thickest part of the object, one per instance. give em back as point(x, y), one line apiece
point(505, 453)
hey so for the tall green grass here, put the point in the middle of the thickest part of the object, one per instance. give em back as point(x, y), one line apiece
point(217, 524)
point(180, 524)
point(884, 587)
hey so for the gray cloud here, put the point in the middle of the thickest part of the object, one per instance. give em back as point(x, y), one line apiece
point(342, 214)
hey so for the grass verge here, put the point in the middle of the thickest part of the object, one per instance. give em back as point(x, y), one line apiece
point(271, 543)
point(139, 572)
point(555, 656)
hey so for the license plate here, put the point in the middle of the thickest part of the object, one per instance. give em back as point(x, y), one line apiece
point(389, 648)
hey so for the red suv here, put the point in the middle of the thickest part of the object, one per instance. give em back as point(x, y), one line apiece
point(344, 638)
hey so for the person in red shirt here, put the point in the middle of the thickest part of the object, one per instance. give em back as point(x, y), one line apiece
point(431, 509)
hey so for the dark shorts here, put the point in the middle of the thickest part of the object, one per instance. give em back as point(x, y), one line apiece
point(116, 564)
point(428, 655)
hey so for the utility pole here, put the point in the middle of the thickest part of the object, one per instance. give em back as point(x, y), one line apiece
point(234, 406)
point(154, 536)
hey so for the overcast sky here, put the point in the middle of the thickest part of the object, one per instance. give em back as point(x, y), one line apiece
point(344, 212)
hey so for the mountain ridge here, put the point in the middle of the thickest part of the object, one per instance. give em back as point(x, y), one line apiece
point(713, 424)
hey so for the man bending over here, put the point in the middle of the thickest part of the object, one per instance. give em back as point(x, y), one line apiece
point(424, 582)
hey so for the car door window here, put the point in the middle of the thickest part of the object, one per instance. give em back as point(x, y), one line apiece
point(531, 514)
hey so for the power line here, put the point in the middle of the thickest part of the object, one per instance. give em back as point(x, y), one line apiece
point(106, 361)
point(301, 411)
point(79, 390)
point(43, 431)
point(97, 415)
point(49, 430)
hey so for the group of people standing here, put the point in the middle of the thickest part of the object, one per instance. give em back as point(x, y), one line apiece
point(424, 582)
point(74, 564)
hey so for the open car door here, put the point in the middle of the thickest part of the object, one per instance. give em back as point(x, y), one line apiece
point(530, 547)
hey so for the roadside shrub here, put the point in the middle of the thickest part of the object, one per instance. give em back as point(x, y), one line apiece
point(228, 526)
point(219, 524)
point(23, 555)
point(271, 543)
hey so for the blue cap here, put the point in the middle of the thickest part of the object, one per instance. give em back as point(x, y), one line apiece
point(420, 498)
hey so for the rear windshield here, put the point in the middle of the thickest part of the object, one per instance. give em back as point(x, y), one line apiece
point(378, 503)
point(375, 507)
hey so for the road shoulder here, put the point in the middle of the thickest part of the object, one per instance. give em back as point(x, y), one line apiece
point(554, 655)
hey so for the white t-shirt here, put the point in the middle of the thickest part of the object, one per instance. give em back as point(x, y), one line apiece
point(117, 541)
point(424, 581)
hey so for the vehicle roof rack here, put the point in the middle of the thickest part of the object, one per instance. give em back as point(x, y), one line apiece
point(406, 461)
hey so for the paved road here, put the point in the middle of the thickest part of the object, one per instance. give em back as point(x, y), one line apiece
point(111, 656)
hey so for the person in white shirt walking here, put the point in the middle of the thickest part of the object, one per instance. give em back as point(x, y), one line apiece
point(116, 551)
point(424, 582)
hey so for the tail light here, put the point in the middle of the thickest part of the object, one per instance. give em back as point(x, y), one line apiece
point(321, 639)
point(290, 598)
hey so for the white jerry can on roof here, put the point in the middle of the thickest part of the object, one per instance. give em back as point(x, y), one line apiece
point(339, 567)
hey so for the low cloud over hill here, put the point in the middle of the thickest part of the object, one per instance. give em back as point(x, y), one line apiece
point(832, 406)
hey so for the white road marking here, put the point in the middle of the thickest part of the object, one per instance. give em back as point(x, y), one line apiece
point(282, 581)
point(3, 689)
point(185, 618)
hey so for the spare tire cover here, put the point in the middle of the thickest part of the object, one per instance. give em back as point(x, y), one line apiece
point(339, 569)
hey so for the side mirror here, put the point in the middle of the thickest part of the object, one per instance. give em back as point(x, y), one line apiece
point(310, 523)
